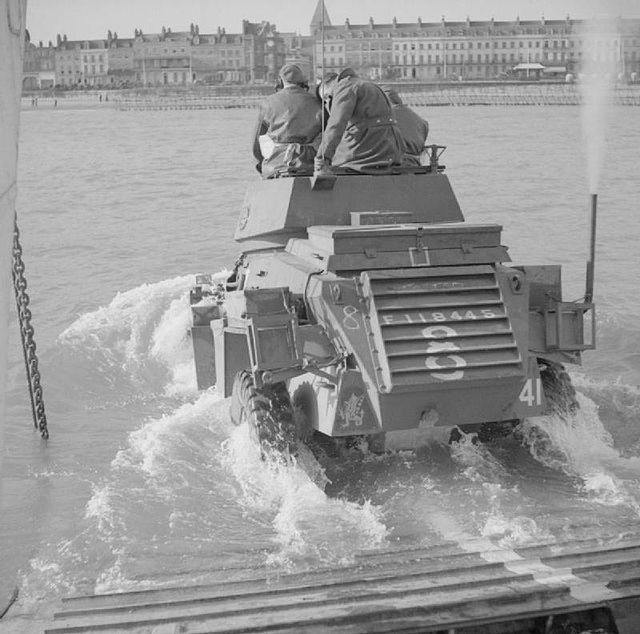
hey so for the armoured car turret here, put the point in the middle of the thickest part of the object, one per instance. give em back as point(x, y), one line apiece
point(365, 306)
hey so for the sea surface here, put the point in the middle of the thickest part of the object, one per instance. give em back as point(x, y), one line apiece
point(145, 482)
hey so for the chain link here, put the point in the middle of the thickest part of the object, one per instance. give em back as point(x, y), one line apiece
point(27, 335)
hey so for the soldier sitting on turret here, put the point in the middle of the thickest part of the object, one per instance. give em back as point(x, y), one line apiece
point(361, 134)
point(288, 123)
point(413, 129)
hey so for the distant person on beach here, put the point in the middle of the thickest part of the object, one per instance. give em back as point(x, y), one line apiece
point(289, 122)
point(361, 134)
point(413, 128)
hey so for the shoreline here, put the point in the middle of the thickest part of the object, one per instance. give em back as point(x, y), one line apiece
point(416, 95)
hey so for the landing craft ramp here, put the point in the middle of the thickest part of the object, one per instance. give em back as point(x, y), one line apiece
point(471, 587)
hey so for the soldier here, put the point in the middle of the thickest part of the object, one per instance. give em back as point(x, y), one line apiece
point(361, 134)
point(288, 123)
point(413, 128)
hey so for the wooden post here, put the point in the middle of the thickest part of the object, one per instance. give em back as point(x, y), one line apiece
point(12, 25)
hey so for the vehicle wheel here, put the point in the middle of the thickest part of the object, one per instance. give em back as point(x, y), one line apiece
point(268, 412)
point(558, 389)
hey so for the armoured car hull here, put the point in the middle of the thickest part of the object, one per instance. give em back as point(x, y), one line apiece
point(366, 306)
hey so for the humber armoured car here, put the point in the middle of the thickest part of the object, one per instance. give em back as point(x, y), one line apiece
point(365, 307)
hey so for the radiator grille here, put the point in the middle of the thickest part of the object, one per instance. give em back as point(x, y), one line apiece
point(440, 325)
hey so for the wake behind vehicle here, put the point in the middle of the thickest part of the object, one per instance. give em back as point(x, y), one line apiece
point(365, 307)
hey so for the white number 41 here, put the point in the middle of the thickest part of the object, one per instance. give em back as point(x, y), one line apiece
point(531, 393)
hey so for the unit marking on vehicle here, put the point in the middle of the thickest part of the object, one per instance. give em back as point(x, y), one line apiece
point(350, 322)
point(436, 316)
point(531, 392)
point(438, 333)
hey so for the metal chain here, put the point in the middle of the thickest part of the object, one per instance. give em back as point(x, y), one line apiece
point(27, 335)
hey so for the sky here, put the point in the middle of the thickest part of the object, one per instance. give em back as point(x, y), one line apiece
point(90, 19)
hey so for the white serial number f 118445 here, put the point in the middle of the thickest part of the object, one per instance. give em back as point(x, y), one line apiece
point(441, 316)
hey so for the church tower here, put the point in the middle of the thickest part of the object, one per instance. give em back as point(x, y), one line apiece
point(316, 20)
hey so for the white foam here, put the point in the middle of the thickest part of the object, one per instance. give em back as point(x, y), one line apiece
point(580, 446)
point(478, 464)
point(152, 446)
point(308, 525)
point(140, 330)
point(99, 508)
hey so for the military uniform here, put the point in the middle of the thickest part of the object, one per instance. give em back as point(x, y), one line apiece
point(292, 120)
point(413, 129)
point(361, 133)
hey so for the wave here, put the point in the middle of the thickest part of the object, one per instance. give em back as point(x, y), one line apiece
point(134, 347)
point(580, 446)
point(309, 527)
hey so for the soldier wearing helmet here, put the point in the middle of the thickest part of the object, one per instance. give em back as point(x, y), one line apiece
point(288, 123)
point(413, 129)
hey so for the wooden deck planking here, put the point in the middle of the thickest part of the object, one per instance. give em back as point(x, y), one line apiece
point(403, 590)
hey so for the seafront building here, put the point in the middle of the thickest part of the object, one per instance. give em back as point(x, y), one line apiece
point(407, 52)
point(474, 50)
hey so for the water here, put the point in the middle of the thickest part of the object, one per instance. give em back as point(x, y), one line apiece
point(145, 482)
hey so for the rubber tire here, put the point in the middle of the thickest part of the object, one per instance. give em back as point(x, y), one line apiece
point(268, 412)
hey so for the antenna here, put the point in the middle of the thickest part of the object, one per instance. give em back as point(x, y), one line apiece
point(322, 75)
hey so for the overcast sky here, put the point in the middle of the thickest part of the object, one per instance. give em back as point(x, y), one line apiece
point(92, 18)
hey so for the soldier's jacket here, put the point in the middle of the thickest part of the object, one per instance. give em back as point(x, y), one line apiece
point(413, 129)
point(292, 118)
point(361, 133)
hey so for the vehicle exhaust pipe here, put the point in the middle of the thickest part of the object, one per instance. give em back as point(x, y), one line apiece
point(591, 262)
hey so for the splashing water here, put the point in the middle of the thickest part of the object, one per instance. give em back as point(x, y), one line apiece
point(309, 526)
point(139, 339)
point(581, 447)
